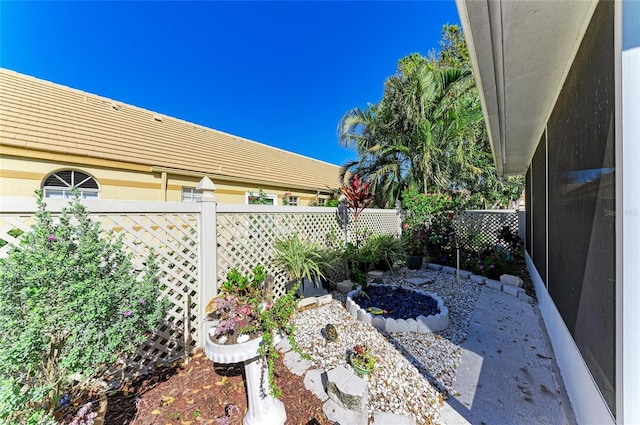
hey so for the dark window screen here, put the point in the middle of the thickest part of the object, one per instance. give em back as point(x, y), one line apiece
point(528, 205)
point(539, 214)
point(581, 218)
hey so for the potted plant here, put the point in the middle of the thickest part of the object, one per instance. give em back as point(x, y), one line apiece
point(362, 359)
point(300, 259)
point(245, 320)
point(413, 242)
point(388, 250)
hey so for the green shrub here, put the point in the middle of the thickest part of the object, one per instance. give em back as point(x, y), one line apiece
point(70, 305)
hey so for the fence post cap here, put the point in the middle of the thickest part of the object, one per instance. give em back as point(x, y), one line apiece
point(206, 184)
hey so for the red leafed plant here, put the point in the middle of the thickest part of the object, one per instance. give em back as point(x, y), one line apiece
point(357, 195)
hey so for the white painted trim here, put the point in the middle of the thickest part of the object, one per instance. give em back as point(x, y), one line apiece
point(587, 403)
point(27, 205)
point(628, 217)
point(271, 196)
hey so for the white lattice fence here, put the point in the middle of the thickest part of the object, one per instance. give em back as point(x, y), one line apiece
point(172, 236)
point(247, 233)
point(480, 229)
point(245, 237)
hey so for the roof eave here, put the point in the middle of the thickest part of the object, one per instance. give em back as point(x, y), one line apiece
point(521, 52)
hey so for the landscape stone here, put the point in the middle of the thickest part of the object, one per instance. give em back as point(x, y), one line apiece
point(432, 266)
point(386, 418)
point(341, 416)
point(347, 389)
point(419, 280)
point(524, 297)
point(345, 286)
point(512, 280)
point(465, 274)
point(480, 280)
point(295, 363)
point(324, 299)
point(283, 346)
point(449, 270)
point(512, 290)
point(315, 381)
point(493, 284)
point(308, 302)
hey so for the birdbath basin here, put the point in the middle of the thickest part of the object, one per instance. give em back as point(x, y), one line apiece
point(263, 408)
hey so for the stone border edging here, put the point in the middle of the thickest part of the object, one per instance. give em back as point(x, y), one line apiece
point(498, 285)
point(421, 324)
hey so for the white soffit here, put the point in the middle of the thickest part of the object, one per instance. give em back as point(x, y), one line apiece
point(521, 51)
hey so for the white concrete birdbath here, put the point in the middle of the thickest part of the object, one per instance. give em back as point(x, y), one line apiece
point(263, 408)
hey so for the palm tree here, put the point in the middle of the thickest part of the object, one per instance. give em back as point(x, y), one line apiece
point(414, 135)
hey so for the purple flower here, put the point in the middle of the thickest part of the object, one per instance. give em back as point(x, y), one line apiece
point(128, 313)
point(143, 302)
point(51, 238)
point(492, 265)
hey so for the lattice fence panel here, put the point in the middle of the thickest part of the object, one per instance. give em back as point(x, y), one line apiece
point(173, 238)
point(247, 239)
point(478, 230)
point(371, 222)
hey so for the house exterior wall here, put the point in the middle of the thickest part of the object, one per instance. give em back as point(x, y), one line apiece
point(24, 171)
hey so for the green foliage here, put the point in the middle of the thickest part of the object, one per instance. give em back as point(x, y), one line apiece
point(13, 232)
point(300, 259)
point(247, 303)
point(70, 304)
point(491, 263)
point(386, 249)
point(427, 132)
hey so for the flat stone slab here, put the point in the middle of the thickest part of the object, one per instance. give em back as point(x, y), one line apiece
point(324, 299)
point(295, 363)
point(284, 345)
point(386, 418)
point(315, 381)
point(432, 266)
point(419, 280)
point(339, 415)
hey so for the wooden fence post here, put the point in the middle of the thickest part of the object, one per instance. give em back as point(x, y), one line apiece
point(208, 252)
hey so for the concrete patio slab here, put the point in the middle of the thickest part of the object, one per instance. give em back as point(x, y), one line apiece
point(508, 373)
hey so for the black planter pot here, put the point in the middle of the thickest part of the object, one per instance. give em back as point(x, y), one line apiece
point(414, 262)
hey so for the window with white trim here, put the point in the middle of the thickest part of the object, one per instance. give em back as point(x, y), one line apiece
point(191, 194)
point(61, 184)
point(294, 201)
point(260, 198)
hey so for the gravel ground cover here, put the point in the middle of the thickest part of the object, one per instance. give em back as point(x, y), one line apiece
point(415, 372)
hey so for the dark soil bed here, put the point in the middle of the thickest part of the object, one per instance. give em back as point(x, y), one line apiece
point(397, 302)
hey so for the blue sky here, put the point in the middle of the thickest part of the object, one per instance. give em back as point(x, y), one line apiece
point(280, 73)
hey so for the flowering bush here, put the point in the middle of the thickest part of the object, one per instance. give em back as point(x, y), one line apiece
point(70, 305)
point(491, 263)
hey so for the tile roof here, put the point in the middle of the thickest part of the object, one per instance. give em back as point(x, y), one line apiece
point(41, 115)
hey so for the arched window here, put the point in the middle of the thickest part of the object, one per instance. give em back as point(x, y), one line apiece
point(60, 184)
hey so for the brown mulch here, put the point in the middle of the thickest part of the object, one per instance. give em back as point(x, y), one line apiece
point(199, 392)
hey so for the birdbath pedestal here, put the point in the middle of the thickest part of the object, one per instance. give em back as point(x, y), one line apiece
point(263, 408)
